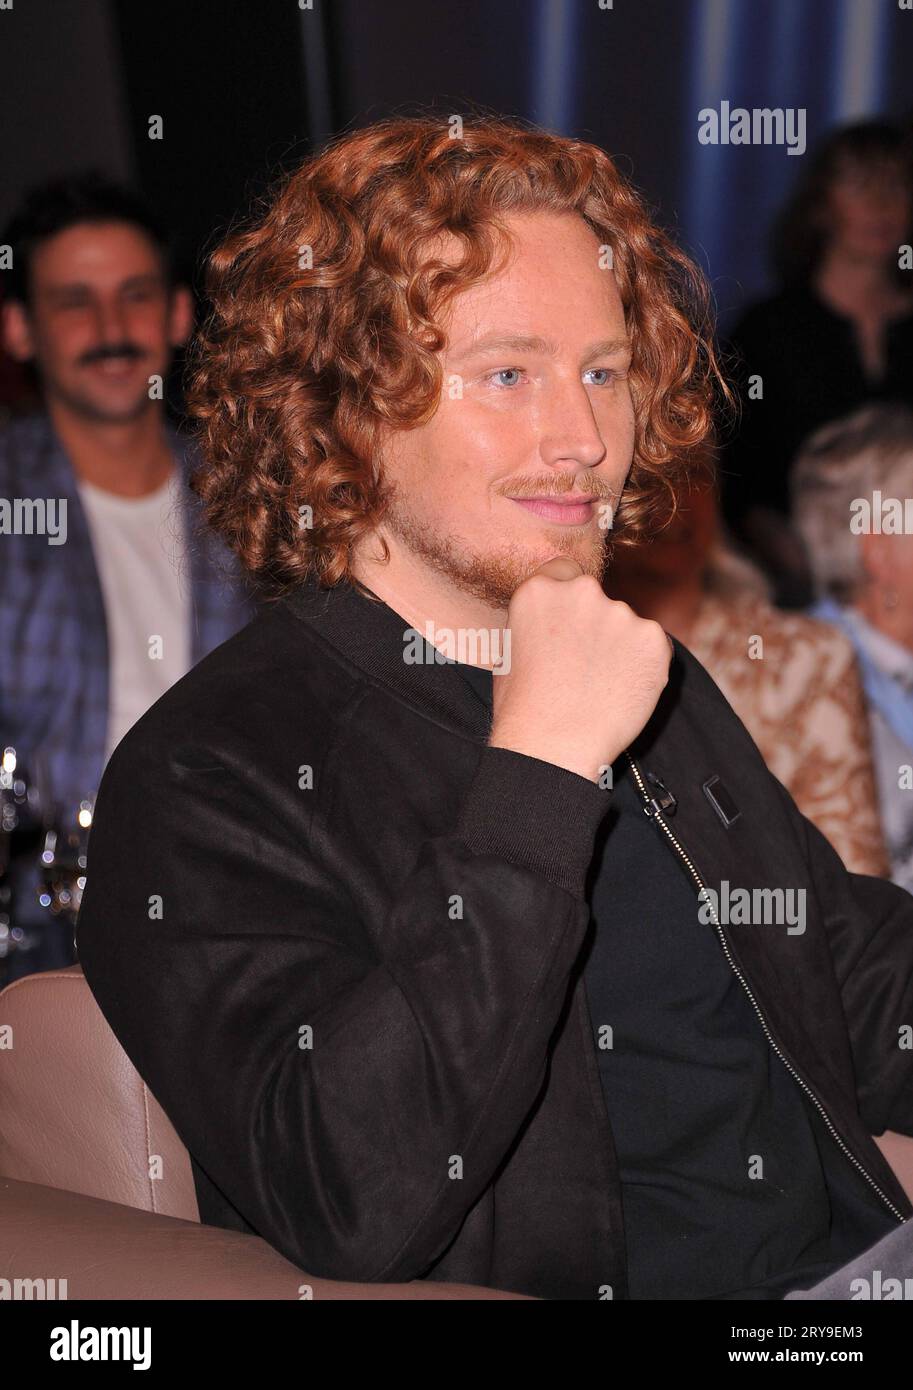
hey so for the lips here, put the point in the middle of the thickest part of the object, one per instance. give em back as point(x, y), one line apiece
point(115, 366)
point(568, 510)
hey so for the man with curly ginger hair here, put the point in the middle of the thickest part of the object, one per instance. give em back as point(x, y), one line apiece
point(432, 949)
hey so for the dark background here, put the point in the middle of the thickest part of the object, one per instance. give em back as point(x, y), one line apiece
point(248, 87)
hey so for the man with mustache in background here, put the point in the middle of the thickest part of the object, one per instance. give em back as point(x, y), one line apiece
point(414, 955)
point(95, 626)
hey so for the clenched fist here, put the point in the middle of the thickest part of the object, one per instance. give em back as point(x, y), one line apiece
point(585, 672)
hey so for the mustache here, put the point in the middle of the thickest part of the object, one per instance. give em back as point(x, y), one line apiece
point(112, 352)
point(552, 486)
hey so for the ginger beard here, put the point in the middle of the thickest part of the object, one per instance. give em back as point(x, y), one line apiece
point(493, 576)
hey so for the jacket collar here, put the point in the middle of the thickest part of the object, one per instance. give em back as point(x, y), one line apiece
point(378, 640)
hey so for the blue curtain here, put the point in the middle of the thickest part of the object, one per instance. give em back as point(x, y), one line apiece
point(829, 59)
point(633, 76)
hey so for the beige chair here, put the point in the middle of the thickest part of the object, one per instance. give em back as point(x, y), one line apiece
point(74, 1112)
point(77, 1126)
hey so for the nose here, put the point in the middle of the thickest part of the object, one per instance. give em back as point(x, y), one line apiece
point(570, 433)
point(110, 321)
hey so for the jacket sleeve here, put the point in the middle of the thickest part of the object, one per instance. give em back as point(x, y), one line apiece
point(351, 1105)
point(869, 927)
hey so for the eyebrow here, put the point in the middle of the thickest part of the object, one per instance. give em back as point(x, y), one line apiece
point(522, 342)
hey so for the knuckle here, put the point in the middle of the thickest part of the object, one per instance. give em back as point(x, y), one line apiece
point(589, 582)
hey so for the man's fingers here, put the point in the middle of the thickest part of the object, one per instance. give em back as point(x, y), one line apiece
point(560, 567)
point(563, 567)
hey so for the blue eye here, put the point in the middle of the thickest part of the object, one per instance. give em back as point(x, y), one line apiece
point(517, 373)
point(506, 371)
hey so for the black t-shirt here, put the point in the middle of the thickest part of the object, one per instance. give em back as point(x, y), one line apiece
point(731, 1185)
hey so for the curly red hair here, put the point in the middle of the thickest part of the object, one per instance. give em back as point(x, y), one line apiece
point(325, 328)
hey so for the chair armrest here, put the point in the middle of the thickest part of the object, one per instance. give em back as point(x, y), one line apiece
point(108, 1251)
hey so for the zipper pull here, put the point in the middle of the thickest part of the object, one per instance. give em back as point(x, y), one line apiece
point(662, 800)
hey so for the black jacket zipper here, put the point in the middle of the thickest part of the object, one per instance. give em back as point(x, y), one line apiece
point(653, 810)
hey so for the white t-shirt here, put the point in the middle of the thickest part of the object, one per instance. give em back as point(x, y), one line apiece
point(140, 556)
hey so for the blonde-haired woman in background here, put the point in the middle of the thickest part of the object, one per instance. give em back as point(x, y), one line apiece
point(853, 505)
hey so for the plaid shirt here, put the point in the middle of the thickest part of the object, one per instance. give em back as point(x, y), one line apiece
point(54, 667)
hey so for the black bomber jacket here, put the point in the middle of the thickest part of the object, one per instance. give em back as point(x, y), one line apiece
point(338, 936)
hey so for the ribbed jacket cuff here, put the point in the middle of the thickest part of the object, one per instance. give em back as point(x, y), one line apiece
point(534, 814)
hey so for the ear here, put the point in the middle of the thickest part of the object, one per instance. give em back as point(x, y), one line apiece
point(180, 316)
point(17, 331)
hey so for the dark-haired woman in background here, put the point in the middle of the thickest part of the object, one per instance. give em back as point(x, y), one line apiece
point(839, 333)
